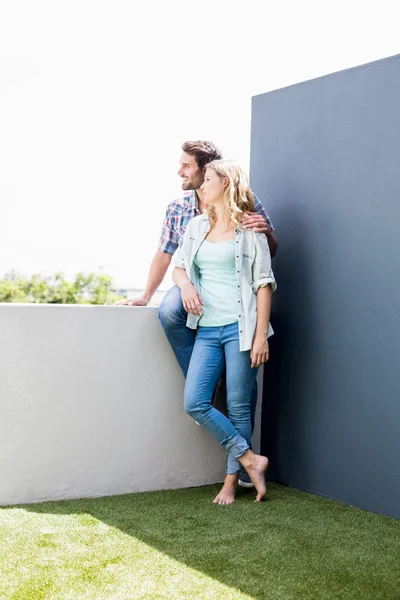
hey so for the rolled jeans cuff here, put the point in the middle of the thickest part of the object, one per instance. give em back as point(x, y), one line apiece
point(237, 446)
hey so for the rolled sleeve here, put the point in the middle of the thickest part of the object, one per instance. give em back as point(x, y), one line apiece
point(262, 271)
point(259, 208)
point(169, 238)
point(179, 259)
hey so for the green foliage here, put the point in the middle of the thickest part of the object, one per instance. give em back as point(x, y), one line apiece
point(84, 289)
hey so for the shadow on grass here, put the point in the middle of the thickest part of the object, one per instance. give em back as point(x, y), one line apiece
point(293, 546)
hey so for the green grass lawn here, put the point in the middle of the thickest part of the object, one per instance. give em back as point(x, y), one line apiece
point(177, 544)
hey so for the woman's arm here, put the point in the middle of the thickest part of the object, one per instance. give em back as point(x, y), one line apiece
point(263, 285)
point(262, 271)
point(191, 299)
point(259, 353)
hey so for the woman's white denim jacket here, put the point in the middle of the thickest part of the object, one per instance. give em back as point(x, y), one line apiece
point(253, 270)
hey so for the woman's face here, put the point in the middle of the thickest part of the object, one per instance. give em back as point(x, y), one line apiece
point(213, 187)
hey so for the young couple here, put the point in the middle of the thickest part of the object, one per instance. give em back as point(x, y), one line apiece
point(217, 317)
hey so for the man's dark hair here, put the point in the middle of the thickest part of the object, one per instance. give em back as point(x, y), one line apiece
point(203, 151)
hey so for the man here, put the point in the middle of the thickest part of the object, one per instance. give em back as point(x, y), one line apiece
point(195, 157)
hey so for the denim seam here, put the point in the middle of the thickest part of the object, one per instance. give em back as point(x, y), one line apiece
point(211, 374)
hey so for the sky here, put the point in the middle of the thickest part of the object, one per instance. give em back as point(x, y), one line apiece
point(96, 98)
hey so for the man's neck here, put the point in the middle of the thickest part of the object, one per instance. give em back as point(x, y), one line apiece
point(200, 200)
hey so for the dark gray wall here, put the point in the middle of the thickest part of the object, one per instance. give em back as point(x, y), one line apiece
point(325, 160)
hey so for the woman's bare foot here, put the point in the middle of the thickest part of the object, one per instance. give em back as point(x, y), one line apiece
point(256, 465)
point(227, 494)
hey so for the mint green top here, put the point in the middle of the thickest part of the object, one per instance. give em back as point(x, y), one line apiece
point(218, 286)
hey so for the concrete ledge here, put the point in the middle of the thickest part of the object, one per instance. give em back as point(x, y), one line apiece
point(91, 402)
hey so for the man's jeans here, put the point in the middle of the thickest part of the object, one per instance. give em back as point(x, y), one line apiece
point(173, 319)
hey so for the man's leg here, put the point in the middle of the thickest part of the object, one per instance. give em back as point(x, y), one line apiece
point(173, 320)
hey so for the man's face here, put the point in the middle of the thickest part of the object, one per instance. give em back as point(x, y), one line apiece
point(192, 176)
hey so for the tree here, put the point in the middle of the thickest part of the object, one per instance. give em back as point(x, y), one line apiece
point(84, 289)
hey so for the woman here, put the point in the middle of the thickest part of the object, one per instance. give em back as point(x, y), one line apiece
point(226, 281)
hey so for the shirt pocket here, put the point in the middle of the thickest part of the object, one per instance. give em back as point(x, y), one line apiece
point(247, 263)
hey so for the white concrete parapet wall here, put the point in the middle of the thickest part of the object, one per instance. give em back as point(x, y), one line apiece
point(91, 405)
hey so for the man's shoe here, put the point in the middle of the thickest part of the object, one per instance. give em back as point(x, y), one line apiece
point(245, 481)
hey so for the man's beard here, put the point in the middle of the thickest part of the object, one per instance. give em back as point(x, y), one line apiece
point(191, 185)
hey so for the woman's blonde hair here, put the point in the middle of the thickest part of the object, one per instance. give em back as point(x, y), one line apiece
point(238, 197)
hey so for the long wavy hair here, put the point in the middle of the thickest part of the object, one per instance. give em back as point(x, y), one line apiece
point(238, 197)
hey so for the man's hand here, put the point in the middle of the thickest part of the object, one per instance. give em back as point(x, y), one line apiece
point(259, 353)
point(257, 222)
point(191, 300)
point(135, 302)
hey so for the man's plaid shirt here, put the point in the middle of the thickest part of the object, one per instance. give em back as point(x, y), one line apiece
point(178, 215)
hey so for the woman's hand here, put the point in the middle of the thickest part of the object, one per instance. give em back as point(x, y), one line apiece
point(259, 353)
point(191, 300)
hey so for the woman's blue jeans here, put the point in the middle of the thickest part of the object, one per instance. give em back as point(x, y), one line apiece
point(173, 320)
point(215, 349)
